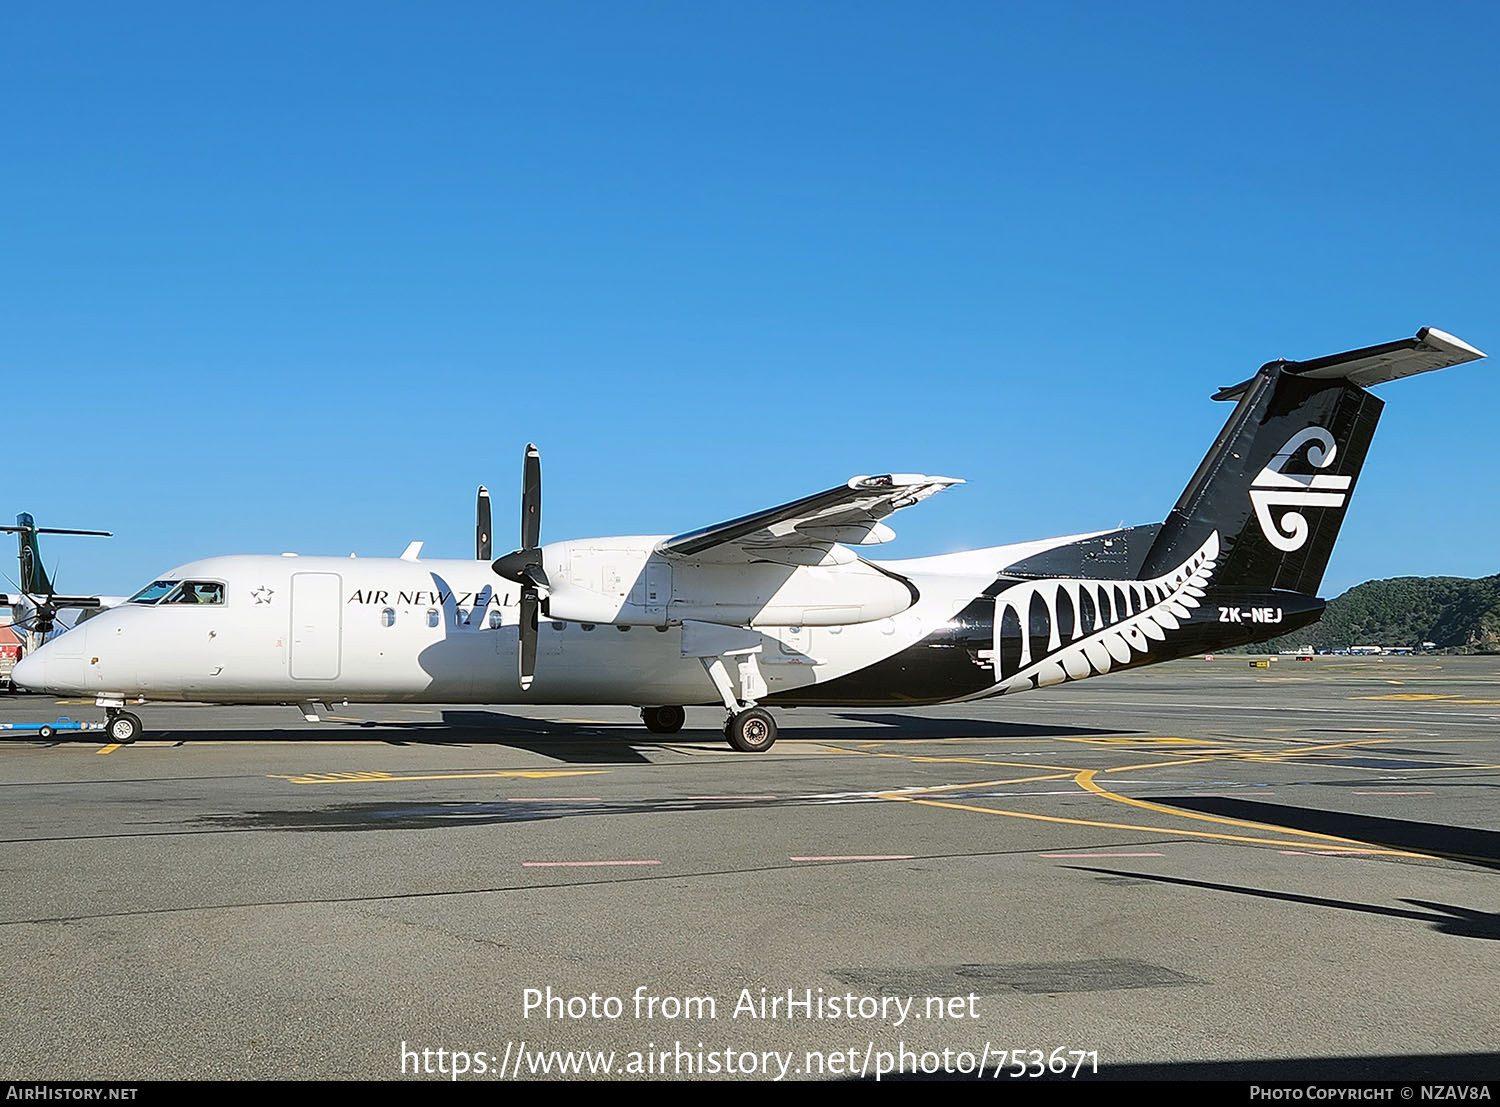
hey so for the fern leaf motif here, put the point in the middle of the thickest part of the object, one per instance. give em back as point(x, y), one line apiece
point(1071, 629)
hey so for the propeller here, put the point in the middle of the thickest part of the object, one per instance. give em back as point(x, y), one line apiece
point(524, 566)
point(483, 547)
point(43, 614)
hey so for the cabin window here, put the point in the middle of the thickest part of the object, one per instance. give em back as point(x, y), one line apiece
point(433, 618)
point(587, 626)
point(461, 617)
point(495, 620)
point(388, 617)
point(559, 627)
point(153, 592)
point(197, 592)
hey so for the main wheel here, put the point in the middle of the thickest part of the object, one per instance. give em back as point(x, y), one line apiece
point(663, 720)
point(123, 728)
point(751, 731)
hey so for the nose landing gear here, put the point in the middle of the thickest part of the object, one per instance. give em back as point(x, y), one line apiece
point(121, 726)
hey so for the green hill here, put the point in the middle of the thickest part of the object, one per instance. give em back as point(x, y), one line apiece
point(1453, 612)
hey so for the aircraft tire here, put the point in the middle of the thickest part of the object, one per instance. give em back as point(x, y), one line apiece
point(751, 731)
point(123, 728)
point(663, 720)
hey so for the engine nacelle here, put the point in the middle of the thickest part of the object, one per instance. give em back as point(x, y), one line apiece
point(623, 582)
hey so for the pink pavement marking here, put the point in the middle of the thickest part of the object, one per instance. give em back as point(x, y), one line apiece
point(861, 857)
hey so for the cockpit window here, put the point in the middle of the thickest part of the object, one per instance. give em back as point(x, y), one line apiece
point(196, 592)
point(153, 592)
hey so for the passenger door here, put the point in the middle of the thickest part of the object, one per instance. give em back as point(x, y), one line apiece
point(317, 626)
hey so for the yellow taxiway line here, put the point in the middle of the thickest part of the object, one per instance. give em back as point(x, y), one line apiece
point(393, 778)
point(1159, 831)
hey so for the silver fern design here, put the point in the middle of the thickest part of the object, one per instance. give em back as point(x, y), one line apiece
point(1092, 626)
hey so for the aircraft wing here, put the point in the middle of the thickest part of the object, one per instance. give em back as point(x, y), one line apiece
point(805, 531)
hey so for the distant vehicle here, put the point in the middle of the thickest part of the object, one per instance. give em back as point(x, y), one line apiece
point(775, 607)
point(10, 653)
point(38, 610)
point(49, 730)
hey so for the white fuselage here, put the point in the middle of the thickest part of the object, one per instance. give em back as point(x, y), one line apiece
point(295, 629)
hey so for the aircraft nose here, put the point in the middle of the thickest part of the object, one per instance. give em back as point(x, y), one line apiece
point(52, 668)
point(30, 672)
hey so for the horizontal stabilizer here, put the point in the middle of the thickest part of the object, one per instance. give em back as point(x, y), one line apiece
point(55, 530)
point(1430, 349)
point(62, 603)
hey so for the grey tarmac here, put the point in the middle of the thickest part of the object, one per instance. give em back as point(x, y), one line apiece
point(1201, 869)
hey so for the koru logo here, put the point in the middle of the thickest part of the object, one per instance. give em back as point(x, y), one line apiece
point(1273, 490)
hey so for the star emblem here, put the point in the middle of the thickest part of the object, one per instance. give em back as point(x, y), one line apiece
point(263, 594)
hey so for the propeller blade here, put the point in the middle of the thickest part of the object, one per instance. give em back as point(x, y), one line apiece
point(531, 499)
point(530, 609)
point(483, 547)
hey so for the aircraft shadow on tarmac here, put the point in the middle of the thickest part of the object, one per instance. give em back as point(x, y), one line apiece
point(1461, 922)
point(438, 814)
point(621, 742)
point(910, 727)
point(1454, 843)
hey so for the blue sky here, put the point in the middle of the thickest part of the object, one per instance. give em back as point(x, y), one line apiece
point(300, 277)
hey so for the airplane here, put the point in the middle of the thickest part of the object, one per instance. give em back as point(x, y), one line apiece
point(775, 608)
point(38, 611)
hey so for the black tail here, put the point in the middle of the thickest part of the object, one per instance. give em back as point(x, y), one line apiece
point(1277, 480)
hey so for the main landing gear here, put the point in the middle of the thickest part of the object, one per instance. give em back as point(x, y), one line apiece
point(752, 730)
point(748, 729)
point(663, 720)
point(121, 726)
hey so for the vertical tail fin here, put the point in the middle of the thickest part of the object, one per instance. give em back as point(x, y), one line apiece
point(34, 579)
point(1277, 480)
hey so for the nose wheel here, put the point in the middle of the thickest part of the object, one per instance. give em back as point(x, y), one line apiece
point(122, 727)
